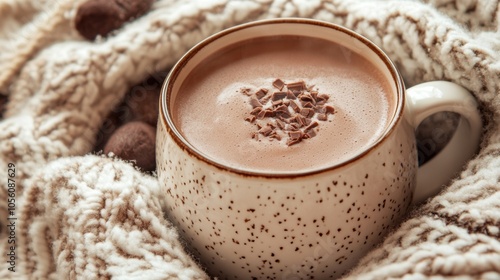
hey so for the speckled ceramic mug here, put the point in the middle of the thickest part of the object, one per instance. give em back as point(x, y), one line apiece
point(314, 224)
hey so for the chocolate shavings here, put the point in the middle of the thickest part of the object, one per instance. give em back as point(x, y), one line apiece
point(296, 109)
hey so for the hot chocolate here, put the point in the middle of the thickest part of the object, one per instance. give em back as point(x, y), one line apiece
point(215, 108)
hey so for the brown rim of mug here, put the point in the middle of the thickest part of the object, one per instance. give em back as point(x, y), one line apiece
point(184, 145)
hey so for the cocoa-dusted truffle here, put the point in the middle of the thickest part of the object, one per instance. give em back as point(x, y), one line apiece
point(143, 104)
point(99, 17)
point(116, 118)
point(134, 141)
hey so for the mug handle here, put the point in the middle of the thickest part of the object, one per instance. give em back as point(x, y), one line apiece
point(427, 99)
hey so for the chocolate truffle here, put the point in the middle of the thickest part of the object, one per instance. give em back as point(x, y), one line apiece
point(113, 121)
point(99, 17)
point(143, 104)
point(134, 141)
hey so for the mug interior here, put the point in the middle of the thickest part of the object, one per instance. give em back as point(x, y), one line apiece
point(278, 27)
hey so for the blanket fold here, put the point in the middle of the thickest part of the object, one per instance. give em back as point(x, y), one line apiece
point(83, 216)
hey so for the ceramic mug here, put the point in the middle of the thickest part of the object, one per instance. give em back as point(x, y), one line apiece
point(314, 224)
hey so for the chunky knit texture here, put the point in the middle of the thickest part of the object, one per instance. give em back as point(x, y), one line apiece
point(83, 216)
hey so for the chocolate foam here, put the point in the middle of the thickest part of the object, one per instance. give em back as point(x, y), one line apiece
point(210, 109)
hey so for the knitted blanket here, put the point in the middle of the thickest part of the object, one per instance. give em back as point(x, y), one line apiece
point(68, 213)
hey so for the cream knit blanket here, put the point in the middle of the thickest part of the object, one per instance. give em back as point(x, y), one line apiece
point(84, 216)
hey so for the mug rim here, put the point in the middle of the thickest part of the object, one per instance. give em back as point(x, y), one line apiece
point(167, 88)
